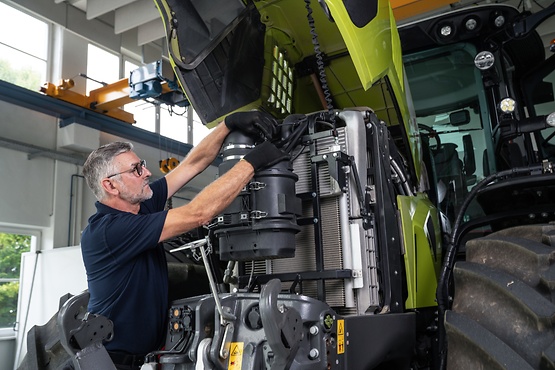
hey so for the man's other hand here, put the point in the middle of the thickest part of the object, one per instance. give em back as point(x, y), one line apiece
point(265, 155)
point(256, 124)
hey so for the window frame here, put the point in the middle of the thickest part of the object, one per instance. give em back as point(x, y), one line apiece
point(11, 332)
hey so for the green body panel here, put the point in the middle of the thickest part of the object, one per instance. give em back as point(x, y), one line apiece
point(422, 250)
point(375, 51)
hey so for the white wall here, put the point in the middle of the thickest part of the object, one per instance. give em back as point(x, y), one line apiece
point(46, 277)
point(7, 351)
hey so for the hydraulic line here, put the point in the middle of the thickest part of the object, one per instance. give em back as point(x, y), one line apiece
point(453, 247)
point(402, 178)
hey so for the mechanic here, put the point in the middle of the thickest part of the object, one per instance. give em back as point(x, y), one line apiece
point(122, 245)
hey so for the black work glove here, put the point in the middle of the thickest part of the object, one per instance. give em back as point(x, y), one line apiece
point(265, 155)
point(254, 123)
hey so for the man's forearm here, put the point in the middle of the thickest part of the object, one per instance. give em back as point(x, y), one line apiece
point(197, 160)
point(206, 151)
point(210, 202)
point(213, 199)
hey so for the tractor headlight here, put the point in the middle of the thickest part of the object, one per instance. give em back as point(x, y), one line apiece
point(484, 60)
point(446, 30)
point(471, 24)
point(498, 20)
point(507, 105)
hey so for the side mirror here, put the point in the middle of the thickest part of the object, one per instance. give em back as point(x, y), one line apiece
point(459, 118)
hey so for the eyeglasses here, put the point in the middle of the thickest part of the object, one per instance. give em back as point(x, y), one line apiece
point(138, 167)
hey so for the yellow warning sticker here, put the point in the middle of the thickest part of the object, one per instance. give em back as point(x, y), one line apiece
point(340, 337)
point(235, 356)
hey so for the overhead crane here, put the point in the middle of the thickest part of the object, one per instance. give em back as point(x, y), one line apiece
point(154, 82)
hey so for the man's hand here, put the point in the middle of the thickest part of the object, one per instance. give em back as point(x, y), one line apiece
point(265, 155)
point(254, 123)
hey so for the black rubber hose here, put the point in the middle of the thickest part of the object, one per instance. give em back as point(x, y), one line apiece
point(442, 294)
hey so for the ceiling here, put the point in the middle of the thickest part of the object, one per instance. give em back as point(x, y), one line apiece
point(124, 15)
point(142, 16)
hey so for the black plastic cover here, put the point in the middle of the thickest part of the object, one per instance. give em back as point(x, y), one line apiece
point(219, 60)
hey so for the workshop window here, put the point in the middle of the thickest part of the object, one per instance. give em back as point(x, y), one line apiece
point(12, 246)
point(23, 48)
point(102, 68)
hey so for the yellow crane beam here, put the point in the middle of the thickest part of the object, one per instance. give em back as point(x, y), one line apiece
point(107, 100)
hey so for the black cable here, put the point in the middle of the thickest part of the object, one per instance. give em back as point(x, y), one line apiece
point(319, 57)
point(292, 136)
point(453, 247)
point(295, 156)
point(294, 139)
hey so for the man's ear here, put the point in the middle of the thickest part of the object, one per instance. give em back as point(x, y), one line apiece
point(109, 187)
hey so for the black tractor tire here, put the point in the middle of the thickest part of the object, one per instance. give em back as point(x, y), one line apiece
point(503, 311)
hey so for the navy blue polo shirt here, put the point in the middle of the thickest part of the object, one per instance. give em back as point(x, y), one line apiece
point(127, 272)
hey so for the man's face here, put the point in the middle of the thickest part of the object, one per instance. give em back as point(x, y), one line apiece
point(133, 188)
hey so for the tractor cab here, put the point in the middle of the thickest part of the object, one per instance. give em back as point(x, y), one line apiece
point(482, 90)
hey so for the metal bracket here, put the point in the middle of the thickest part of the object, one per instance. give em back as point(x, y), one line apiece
point(336, 161)
point(226, 341)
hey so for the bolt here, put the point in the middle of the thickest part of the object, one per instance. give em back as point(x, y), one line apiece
point(314, 330)
point(313, 354)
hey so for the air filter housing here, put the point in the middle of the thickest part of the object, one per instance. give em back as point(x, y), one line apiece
point(261, 222)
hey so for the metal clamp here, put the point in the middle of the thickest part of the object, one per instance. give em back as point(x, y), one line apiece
point(257, 215)
point(256, 185)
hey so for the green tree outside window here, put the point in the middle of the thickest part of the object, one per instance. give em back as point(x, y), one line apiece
point(11, 248)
